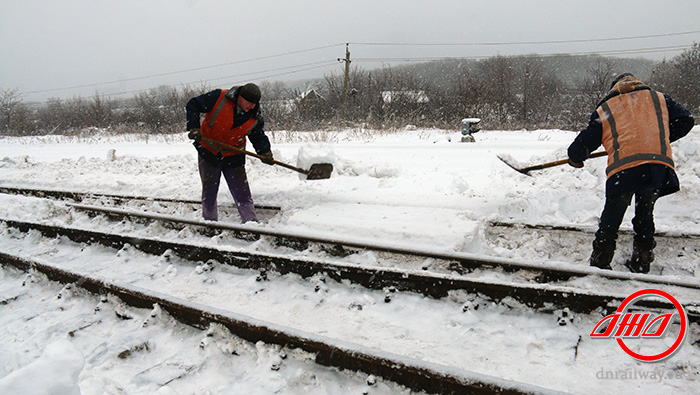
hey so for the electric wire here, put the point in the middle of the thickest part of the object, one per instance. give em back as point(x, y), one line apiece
point(181, 71)
point(531, 42)
point(234, 82)
point(327, 63)
point(319, 64)
point(475, 57)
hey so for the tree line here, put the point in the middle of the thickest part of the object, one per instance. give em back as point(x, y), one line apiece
point(524, 92)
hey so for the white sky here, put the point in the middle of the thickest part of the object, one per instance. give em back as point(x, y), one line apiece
point(48, 45)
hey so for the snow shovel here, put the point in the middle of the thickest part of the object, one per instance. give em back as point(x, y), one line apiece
point(318, 171)
point(526, 170)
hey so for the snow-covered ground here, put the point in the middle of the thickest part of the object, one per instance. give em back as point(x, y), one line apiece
point(417, 188)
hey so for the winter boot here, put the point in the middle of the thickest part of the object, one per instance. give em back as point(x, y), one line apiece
point(602, 255)
point(642, 256)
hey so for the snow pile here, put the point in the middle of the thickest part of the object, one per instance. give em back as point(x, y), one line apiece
point(416, 188)
point(316, 153)
point(55, 372)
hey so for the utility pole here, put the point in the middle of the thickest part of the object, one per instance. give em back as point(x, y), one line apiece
point(347, 77)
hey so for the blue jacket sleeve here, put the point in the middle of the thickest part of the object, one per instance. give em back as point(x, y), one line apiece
point(587, 141)
point(258, 138)
point(198, 105)
point(680, 119)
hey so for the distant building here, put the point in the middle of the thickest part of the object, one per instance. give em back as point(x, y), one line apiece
point(310, 96)
point(310, 104)
point(406, 96)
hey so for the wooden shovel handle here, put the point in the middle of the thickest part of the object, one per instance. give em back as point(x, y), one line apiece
point(241, 150)
point(561, 162)
point(597, 154)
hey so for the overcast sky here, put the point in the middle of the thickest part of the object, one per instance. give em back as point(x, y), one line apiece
point(112, 46)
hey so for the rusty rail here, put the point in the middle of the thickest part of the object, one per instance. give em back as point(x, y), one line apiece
point(426, 283)
point(413, 373)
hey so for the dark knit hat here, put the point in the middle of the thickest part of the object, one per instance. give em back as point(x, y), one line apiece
point(619, 77)
point(250, 92)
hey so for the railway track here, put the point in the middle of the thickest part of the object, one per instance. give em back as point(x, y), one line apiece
point(542, 287)
point(538, 293)
point(588, 230)
point(337, 246)
point(545, 288)
point(415, 374)
point(117, 199)
point(460, 262)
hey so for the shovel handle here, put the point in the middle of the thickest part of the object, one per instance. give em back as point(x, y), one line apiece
point(241, 150)
point(560, 162)
point(597, 154)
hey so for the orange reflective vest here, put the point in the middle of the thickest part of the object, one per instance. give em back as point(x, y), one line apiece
point(218, 125)
point(635, 130)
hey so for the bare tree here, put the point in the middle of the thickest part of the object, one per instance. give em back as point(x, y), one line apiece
point(75, 112)
point(397, 98)
point(498, 74)
point(333, 89)
point(597, 83)
point(505, 92)
point(276, 104)
point(680, 77)
point(538, 91)
point(587, 92)
point(160, 109)
point(466, 98)
point(99, 112)
point(10, 106)
point(51, 117)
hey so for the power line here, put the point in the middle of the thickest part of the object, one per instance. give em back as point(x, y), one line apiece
point(180, 71)
point(355, 43)
point(323, 64)
point(608, 52)
point(531, 42)
point(328, 63)
point(406, 59)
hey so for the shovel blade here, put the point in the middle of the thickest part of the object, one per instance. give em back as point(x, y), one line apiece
point(521, 171)
point(320, 171)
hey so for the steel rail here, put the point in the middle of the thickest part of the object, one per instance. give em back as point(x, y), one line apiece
point(81, 196)
point(548, 271)
point(413, 373)
point(587, 230)
point(430, 284)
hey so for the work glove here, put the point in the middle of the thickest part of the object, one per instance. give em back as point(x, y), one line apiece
point(267, 158)
point(577, 165)
point(195, 134)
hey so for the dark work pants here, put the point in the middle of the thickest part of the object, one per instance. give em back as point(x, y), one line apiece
point(237, 182)
point(614, 211)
